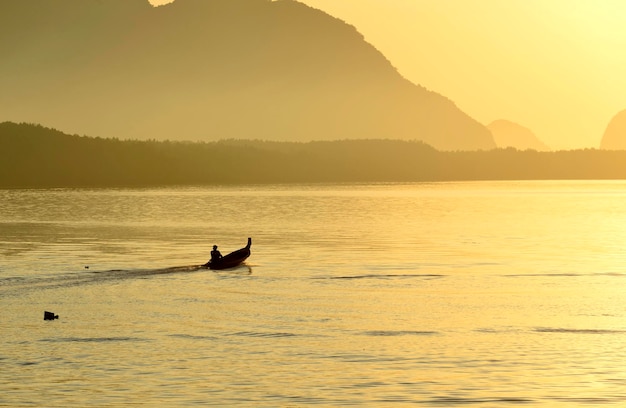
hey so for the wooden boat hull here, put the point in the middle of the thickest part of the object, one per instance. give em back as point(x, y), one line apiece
point(231, 260)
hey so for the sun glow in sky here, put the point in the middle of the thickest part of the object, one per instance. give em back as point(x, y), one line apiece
point(557, 67)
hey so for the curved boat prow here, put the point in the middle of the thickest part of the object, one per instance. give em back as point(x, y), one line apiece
point(231, 260)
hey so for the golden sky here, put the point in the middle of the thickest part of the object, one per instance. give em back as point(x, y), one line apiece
point(557, 67)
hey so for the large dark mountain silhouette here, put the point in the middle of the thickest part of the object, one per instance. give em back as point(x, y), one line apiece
point(212, 69)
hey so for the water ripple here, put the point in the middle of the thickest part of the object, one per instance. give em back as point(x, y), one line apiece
point(386, 276)
point(261, 334)
point(448, 401)
point(591, 400)
point(90, 339)
point(564, 275)
point(18, 284)
point(192, 337)
point(577, 331)
point(386, 333)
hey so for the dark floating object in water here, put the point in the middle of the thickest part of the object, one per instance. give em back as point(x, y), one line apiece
point(49, 316)
point(231, 260)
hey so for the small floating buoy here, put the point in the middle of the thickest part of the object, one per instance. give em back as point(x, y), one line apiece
point(49, 316)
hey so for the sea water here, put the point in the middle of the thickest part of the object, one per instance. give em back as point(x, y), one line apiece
point(434, 294)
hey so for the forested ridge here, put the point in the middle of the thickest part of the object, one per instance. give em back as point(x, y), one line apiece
point(32, 156)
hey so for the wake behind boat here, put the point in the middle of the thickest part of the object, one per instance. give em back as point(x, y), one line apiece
point(231, 260)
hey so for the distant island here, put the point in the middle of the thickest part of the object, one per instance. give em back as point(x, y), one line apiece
point(510, 134)
point(615, 134)
point(33, 156)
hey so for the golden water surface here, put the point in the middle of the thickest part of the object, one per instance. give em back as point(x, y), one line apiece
point(443, 294)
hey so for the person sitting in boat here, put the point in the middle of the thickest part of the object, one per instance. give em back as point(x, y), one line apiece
point(215, 254)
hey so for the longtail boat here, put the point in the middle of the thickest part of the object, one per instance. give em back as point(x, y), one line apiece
point(231, 260)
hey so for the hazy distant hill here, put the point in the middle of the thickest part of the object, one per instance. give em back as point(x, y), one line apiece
point(614, 137)
point(211, 69)
point(34, 156)
point(510, 134)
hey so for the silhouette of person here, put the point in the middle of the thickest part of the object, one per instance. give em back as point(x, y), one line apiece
point(215, 254)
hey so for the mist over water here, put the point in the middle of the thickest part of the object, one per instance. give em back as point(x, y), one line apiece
point(438, 294)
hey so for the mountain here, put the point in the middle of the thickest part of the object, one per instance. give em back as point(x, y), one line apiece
point(210, 70)
point(614, 137)
point(510, 134)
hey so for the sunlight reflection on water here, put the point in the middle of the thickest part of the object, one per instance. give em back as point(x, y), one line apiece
point(489, 294)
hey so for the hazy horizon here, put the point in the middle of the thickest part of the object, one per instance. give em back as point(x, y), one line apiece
point(555, 67)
